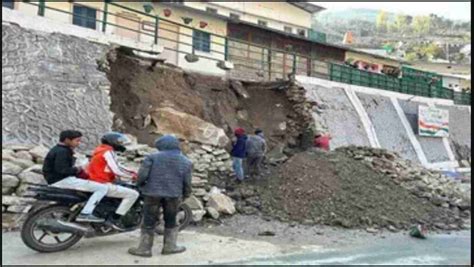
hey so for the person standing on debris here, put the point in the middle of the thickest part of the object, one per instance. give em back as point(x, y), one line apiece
point(164, 178)
point(256, 148)
point(321, 141)
point(59, 171)
point(238, 153)
point(104, 168)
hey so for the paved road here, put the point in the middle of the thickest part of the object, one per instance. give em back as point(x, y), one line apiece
point(452, 249)
point(202, 249)
point(212, 249)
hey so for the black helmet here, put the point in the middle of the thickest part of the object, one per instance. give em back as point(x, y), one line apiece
point(116, 140)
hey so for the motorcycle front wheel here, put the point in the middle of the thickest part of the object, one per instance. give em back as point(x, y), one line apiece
point(47, 241)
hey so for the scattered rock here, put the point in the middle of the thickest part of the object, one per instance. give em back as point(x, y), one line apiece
point(194, 203)
point(213, 213)
point(267, 233)
point(371, 230)
point(222, 203)
point(198, 214)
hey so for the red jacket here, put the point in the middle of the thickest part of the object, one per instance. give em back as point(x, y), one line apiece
point(98, 170)
point(322, 142)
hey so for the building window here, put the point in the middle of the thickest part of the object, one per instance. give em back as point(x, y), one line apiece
point(262, 23)
point(84, 17)
point(201, 41)
point(234, 16)
point(288, 29)
point(301, 32)
point(8, 4)
point(211, 10)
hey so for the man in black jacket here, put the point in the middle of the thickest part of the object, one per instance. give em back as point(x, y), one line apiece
point(163, 178)
point(59, 171)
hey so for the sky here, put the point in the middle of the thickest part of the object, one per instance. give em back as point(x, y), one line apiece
point(451, 10)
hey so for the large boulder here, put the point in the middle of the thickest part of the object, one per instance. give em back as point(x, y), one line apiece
point(188, 127)
point(10, 168)
point(9, 181)
point(222, 203)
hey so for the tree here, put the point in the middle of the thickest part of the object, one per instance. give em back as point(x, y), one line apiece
point(411, 56)
point(401, 23)
point(421, 24)
point(381, 22)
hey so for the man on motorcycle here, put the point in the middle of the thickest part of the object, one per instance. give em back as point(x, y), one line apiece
point(163, 178)
point(59, 171)
point(104, 169)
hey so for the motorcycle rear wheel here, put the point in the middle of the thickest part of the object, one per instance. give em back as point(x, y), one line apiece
point(183, 222)
point(31, 240)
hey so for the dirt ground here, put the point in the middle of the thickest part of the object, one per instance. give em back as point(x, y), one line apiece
point(135, 94)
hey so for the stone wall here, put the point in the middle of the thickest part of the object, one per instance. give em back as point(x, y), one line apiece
point(50, 82)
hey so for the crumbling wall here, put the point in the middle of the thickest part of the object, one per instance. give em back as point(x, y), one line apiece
point(277, 108)
point(50, 83)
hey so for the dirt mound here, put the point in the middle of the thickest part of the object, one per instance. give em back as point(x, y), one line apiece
point(333, 189)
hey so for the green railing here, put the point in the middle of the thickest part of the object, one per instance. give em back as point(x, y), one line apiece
point(413, 82)
point(269, 62)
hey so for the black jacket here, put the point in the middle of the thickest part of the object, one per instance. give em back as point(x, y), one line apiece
point(59, 164)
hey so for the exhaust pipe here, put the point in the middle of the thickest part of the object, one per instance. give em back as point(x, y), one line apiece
point(65, 227)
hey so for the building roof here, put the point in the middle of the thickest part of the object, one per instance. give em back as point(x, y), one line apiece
point(306, 6)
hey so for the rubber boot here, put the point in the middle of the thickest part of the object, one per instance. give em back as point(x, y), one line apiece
point(169, 244)
point(144, 248)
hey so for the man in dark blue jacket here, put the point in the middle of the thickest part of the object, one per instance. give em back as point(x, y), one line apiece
point(238, 153)
point(164, 178)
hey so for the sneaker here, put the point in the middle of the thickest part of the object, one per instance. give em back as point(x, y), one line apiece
point(89, 218)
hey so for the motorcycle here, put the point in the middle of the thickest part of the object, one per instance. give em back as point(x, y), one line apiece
point(50, 225)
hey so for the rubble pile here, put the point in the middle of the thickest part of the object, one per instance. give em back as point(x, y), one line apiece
point(439, 189)
point(333, 188)
point(22, 167)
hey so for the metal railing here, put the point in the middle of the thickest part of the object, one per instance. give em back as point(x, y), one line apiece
point(269, 62)
point(351, 75)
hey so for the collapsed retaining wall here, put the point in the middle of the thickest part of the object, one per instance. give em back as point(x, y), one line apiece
point(50, 83)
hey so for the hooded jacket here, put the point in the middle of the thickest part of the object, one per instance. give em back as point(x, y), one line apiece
point(166, 173)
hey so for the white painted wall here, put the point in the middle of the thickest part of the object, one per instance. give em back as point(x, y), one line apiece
point(394, 96)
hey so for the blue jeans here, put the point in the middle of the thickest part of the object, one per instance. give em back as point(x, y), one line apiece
point(238, 169)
